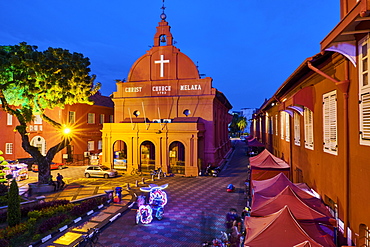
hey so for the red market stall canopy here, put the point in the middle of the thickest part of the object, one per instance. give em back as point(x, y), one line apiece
point(270, 188)
point(263, 206)
point(262, 156)
point(284, 230)
point(268, 168)
point(255, 143)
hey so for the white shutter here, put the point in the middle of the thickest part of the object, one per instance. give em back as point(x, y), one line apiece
point(330, 122)
point(282, 120)
point(287, 127)
point(297, 134)
point(276, 124)
point(365, 116)
point(308, 128)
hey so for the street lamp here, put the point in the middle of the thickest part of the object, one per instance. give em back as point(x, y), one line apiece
point(66, 130)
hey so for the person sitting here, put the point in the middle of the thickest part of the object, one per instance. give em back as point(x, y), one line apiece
point(60, 181)
point(51, 182)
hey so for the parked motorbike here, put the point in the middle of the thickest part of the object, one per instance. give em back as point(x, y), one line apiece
point(212, 171)
point(158, 172)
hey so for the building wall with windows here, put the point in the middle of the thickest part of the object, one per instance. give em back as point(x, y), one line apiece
point(86, 137)
point(327, 103)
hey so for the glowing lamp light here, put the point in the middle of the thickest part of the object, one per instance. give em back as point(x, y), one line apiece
point(67, 131)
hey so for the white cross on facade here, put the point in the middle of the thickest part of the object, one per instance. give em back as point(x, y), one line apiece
point(162, 62)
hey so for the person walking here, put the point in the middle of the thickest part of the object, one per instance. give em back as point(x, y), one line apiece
point(60, 182)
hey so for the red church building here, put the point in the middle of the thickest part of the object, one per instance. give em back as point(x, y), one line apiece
point(166, 115)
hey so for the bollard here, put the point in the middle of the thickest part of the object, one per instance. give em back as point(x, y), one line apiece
point(164, 175)
point(153, 178)
point(119, 194)
point(159, 175)
point(142, 180)
point(137, 183)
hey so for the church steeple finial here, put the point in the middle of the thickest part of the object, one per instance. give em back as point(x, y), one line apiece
point(163, 15)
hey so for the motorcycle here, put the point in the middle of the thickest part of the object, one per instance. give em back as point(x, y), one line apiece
point(212, 171)
point(158, 172)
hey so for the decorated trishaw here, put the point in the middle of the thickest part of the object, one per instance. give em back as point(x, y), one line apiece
point(18, 171)
point(155, 205)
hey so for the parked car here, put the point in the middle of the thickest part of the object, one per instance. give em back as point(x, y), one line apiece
point(53, 166)
point(100, 171)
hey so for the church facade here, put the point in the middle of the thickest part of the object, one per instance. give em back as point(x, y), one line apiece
point(166, 115)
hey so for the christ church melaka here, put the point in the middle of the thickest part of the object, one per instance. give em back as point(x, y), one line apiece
point(166, 115)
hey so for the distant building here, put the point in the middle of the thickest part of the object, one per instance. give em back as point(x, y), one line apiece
point(86, 120)
point(166, 116)
point(318, 121)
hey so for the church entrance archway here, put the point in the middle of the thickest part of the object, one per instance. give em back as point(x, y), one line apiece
point(177, 157)
point(147, 156)
point(120, 155)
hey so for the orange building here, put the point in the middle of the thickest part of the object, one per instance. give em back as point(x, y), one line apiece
point(86, 121)
point(166, 115)
point(318, 121)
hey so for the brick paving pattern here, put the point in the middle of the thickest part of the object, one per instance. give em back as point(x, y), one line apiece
point(195, 211)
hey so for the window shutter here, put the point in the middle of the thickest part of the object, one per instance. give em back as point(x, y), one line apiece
point(365, 116)
point(282, 120)
point(297, 134)
point(308, 124)
point(287, 127)
point(330, 122)
point(333, 122)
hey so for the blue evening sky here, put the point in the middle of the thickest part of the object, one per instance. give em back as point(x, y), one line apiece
point(248, 47)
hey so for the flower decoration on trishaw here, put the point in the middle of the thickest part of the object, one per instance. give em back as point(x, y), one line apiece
point(155, 206)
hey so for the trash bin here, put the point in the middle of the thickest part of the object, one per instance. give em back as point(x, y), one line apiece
point(119, 193)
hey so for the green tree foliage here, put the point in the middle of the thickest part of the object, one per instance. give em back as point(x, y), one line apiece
point(242, 123)
point(237, 125)
point(32, 81)
point(14, 205)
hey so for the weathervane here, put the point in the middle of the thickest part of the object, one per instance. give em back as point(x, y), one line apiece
point(163, 15)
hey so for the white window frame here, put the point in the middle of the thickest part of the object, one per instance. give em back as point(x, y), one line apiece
point(101, 118)
point(111, 118)
point(271, 125)
point(100, 144)
point(364, 90)
point(8, 148)
point(308, 128)
point(276, 125)
point(287, 127)
point(330, 127)
point(282, 121)
point(9, 120)
point(71, 117)
point(260, 126)
point(297, 128)
point(90, 146)
point(90, 118)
